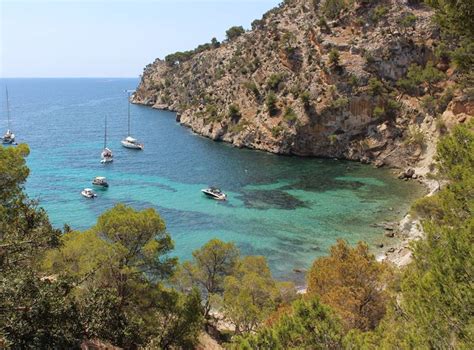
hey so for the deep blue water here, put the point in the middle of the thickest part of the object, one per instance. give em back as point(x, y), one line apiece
point(289, 209)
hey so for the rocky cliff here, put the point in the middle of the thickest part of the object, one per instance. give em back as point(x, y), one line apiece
point(314, 81)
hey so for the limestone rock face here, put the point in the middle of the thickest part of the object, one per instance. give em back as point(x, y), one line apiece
point(289, 97)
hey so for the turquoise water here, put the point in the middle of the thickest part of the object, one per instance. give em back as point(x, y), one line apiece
point(289, 209)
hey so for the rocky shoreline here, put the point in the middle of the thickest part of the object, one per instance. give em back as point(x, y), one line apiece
point(404, 232)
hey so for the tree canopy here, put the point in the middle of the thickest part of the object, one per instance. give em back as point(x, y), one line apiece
point(350, 280)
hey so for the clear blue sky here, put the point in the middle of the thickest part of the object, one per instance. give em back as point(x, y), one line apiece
point(110, 38)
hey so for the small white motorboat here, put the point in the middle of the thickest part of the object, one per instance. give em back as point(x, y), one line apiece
point(100, 181)
point(214, 193)
point(130, 142)
point(88, 193)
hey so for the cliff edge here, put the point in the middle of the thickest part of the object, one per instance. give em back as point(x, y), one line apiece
point(314, 79)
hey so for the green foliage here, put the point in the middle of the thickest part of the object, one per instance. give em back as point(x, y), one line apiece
point(178, 322)
point(182, 56)
point(34, 313)
point(140, 239)
point(436, 289)
point(253, 88)
point(408, 20)
point(341, 102)
point(379, 12)
point(234, 32)
point(463, 56)
point(250, 294)
point(234, 113)
point(277, 130)
point(455, 154)
point(429, 104)
point(455, 16)
point(309, 325)
point(350, 280)
point(353, 81)
point(378, 112)
point(415, 136)
point(376, 87)
point(290, 115)
point(215, 43)
point(417, 75)
point(257, 24)
point(334, 58)
point(271, 102)
point(331, 8)
point(306, 99)
point(275, 80)
point(211, 264)
point(38, 314)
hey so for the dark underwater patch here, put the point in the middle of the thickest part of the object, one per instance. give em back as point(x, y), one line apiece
point(271, 199)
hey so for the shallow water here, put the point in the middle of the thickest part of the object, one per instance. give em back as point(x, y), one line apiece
point(288, 209)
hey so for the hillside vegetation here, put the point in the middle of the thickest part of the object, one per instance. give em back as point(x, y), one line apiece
point(366, 80)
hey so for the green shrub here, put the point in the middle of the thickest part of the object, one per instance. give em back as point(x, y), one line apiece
point(429, 104)
point(277, 130)
point(275, 80)
point(340, 102)
point(334, 58)
point(463, 56)
point(415, 136)
point(353, 81)
point(378, 13)
point(234, 113)
point(376, 87)
point(290, 115)
point(234, 32)
point(306, 98)
point(253, 88)
point(407, 20)
point(331, 8)
point(378, 112)
point(443, 101)
point(271, 102)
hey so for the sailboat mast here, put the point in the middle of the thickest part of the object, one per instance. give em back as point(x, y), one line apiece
point(128, 113)
point(8, 109)
point(105, 133)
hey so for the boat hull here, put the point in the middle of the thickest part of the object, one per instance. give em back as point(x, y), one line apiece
point(131, 145)
point(8, 141)
point(88, 196)
point(221, 197)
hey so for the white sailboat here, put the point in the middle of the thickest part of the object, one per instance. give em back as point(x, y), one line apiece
point(106, 155)
point(129, 141)
point(9, 137)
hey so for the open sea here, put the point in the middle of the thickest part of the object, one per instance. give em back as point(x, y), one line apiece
point(289, 209)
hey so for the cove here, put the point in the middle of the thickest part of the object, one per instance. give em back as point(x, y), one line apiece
point(289, 209)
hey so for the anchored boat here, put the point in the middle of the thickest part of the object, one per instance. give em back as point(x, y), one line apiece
point(106, 155)
point(100, 181)
point(88, 193)
point(130, 142)
point(214, 193)
point(9, 137)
